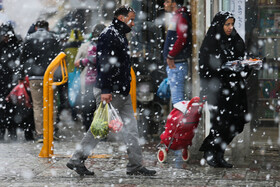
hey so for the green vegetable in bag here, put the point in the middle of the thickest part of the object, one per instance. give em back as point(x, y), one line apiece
point(99, 126)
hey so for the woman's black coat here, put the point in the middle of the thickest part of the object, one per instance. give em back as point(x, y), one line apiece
point(224, 89)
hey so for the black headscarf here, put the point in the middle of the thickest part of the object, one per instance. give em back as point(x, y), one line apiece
point(218, 48)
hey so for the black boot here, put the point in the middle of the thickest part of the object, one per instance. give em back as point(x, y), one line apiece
point(80, 168)
point(12, 133)
point(28, 134)
point(210, 157)
point(221, 161)
point(142, 171)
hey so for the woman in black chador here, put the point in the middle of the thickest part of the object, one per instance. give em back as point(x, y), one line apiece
point(224, 89)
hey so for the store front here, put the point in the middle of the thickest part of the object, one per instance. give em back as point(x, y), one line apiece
point(268, 36)
point(258, 23)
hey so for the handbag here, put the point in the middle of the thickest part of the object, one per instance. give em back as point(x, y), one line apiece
point(163, 91)
point(74, 86)
point(19, 95)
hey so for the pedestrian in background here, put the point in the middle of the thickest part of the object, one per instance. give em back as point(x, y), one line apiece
point(39, 49)
point(71, 49)
point(81, 54)
point(10, 48)
point(224, 89)
point(113, 86)
point(88, 101)
point(177, 48)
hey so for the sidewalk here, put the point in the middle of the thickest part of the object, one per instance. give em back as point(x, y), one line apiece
point(21, 166)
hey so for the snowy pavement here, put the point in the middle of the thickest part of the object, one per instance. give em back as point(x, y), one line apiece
point(21, 166)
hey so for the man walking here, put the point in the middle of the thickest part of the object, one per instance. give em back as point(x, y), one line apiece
point(39, 49)
point(113, 86)
point(177, 48)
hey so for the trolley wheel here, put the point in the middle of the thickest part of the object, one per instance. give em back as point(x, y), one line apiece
point(185, 155)
point(161, 155)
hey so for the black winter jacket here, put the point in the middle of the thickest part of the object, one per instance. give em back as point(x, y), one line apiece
point(39, 49)
point(113, 60)
point(9, 64)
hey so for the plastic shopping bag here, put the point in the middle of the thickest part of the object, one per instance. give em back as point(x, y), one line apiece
point(99, 125)
point(164, 89)
point(115, 121)
point(74, 85)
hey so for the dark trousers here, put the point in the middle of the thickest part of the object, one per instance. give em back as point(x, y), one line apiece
point(88, 106)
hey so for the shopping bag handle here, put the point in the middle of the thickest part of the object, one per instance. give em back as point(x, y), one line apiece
point(103, 105)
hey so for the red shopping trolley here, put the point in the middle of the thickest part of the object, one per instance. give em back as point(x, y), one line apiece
point(180, 128)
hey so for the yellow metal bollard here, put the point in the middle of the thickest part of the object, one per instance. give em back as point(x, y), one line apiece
point(133, 90)
point(47, 149)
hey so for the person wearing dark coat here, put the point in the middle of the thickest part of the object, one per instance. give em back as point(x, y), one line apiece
point(224, 89)
point(39, 49)
point(113, 86)
point(10, 46)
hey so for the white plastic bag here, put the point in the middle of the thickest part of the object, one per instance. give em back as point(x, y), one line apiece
point(115, 121)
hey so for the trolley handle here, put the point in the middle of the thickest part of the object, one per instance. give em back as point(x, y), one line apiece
point(193, 100)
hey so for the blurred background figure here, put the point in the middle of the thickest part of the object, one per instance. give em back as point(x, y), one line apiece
point(10, 46)
point(70, 48)
point(39, 49)
point(178, 48)
point(89, 65)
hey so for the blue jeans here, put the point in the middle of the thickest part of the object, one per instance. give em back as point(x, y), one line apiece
point(176, 78)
